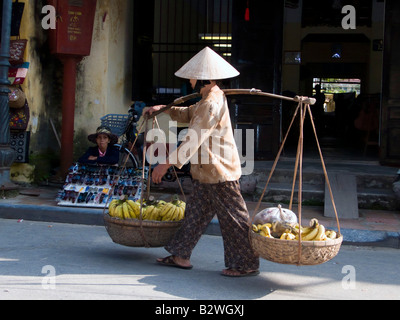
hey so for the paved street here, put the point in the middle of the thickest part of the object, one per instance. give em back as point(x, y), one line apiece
point(88, 265)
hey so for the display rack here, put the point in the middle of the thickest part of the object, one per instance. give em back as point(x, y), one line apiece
point(95, 186)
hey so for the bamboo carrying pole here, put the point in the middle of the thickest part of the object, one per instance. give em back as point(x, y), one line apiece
point(228, 92)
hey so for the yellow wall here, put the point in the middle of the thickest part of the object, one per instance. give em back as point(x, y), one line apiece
point(103, 81)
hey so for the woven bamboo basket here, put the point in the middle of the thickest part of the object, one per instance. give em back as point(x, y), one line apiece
point(139, 232)
point(287, 251)
point(136, 233)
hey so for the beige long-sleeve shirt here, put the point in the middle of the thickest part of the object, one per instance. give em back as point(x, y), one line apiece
point(209, 145)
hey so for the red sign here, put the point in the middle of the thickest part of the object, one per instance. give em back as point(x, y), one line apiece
point(74, 27)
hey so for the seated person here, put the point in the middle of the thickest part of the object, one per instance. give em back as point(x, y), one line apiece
point(104, 152)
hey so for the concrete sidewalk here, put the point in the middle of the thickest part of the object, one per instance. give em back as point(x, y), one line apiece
point(374, 227)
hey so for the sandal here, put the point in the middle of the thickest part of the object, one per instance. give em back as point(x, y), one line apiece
point(170, 262)
point(234, 273)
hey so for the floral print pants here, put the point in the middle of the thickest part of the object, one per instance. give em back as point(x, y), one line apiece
point(226, 202)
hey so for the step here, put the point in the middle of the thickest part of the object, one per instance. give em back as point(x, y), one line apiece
point(368, 198)
point(374, 182)
point(377, 198)
point(281, 193)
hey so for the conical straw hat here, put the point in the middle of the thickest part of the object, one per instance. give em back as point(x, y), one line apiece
point(207, 65)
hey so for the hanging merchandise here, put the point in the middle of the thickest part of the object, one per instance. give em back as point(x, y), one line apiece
point(19, 118)
point(16, 97)
point(17, 74)
point(17, 51)
point(19, 142)
point(17, 46)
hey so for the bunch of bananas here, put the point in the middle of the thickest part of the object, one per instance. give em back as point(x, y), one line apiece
point(124, 209)
point(173, 211)
point(152, 210)
point(315, 232)
point(263, 229)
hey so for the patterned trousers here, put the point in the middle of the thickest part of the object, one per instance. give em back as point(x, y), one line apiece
point(225, 201)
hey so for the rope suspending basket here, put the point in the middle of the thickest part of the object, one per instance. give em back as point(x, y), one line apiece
point(136, 228)
point(300, 252)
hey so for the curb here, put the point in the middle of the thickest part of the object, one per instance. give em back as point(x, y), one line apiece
point(94, 217)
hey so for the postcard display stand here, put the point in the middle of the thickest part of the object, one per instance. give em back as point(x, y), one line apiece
point(96, 186)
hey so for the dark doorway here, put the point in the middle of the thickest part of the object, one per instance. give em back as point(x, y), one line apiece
point(247, 34)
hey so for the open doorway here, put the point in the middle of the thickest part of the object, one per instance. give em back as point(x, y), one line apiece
point(347, 121)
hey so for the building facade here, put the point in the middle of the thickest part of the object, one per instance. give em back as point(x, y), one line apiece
point(283, 46)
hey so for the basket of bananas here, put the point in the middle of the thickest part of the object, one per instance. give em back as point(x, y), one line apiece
point(151, 224)
point(290, 243)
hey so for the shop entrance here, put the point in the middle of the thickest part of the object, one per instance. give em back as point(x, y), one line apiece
point(345, 118)
point(347, 114)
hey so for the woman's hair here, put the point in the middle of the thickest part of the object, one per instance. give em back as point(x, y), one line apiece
point(200, 84)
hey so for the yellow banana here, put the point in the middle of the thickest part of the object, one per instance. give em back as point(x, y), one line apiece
point(156, 214)
point(311, 235)
point(331, 234)
point(111, 208)
point(165, 209)
point(181, 214)
point(265, 228)
point(288, 236)
point(321, 233)
point(265, 233)
point(125, 211)
point(118, 212)
point(149, 212)
point(177, 214)
point(160, 204)
point(170, 214)
point(134, 212)
point(182, 204)
point(174, 214)
point(313, 224)
point(145, 213)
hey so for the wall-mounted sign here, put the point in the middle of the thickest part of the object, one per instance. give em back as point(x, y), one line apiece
point(74, 27)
